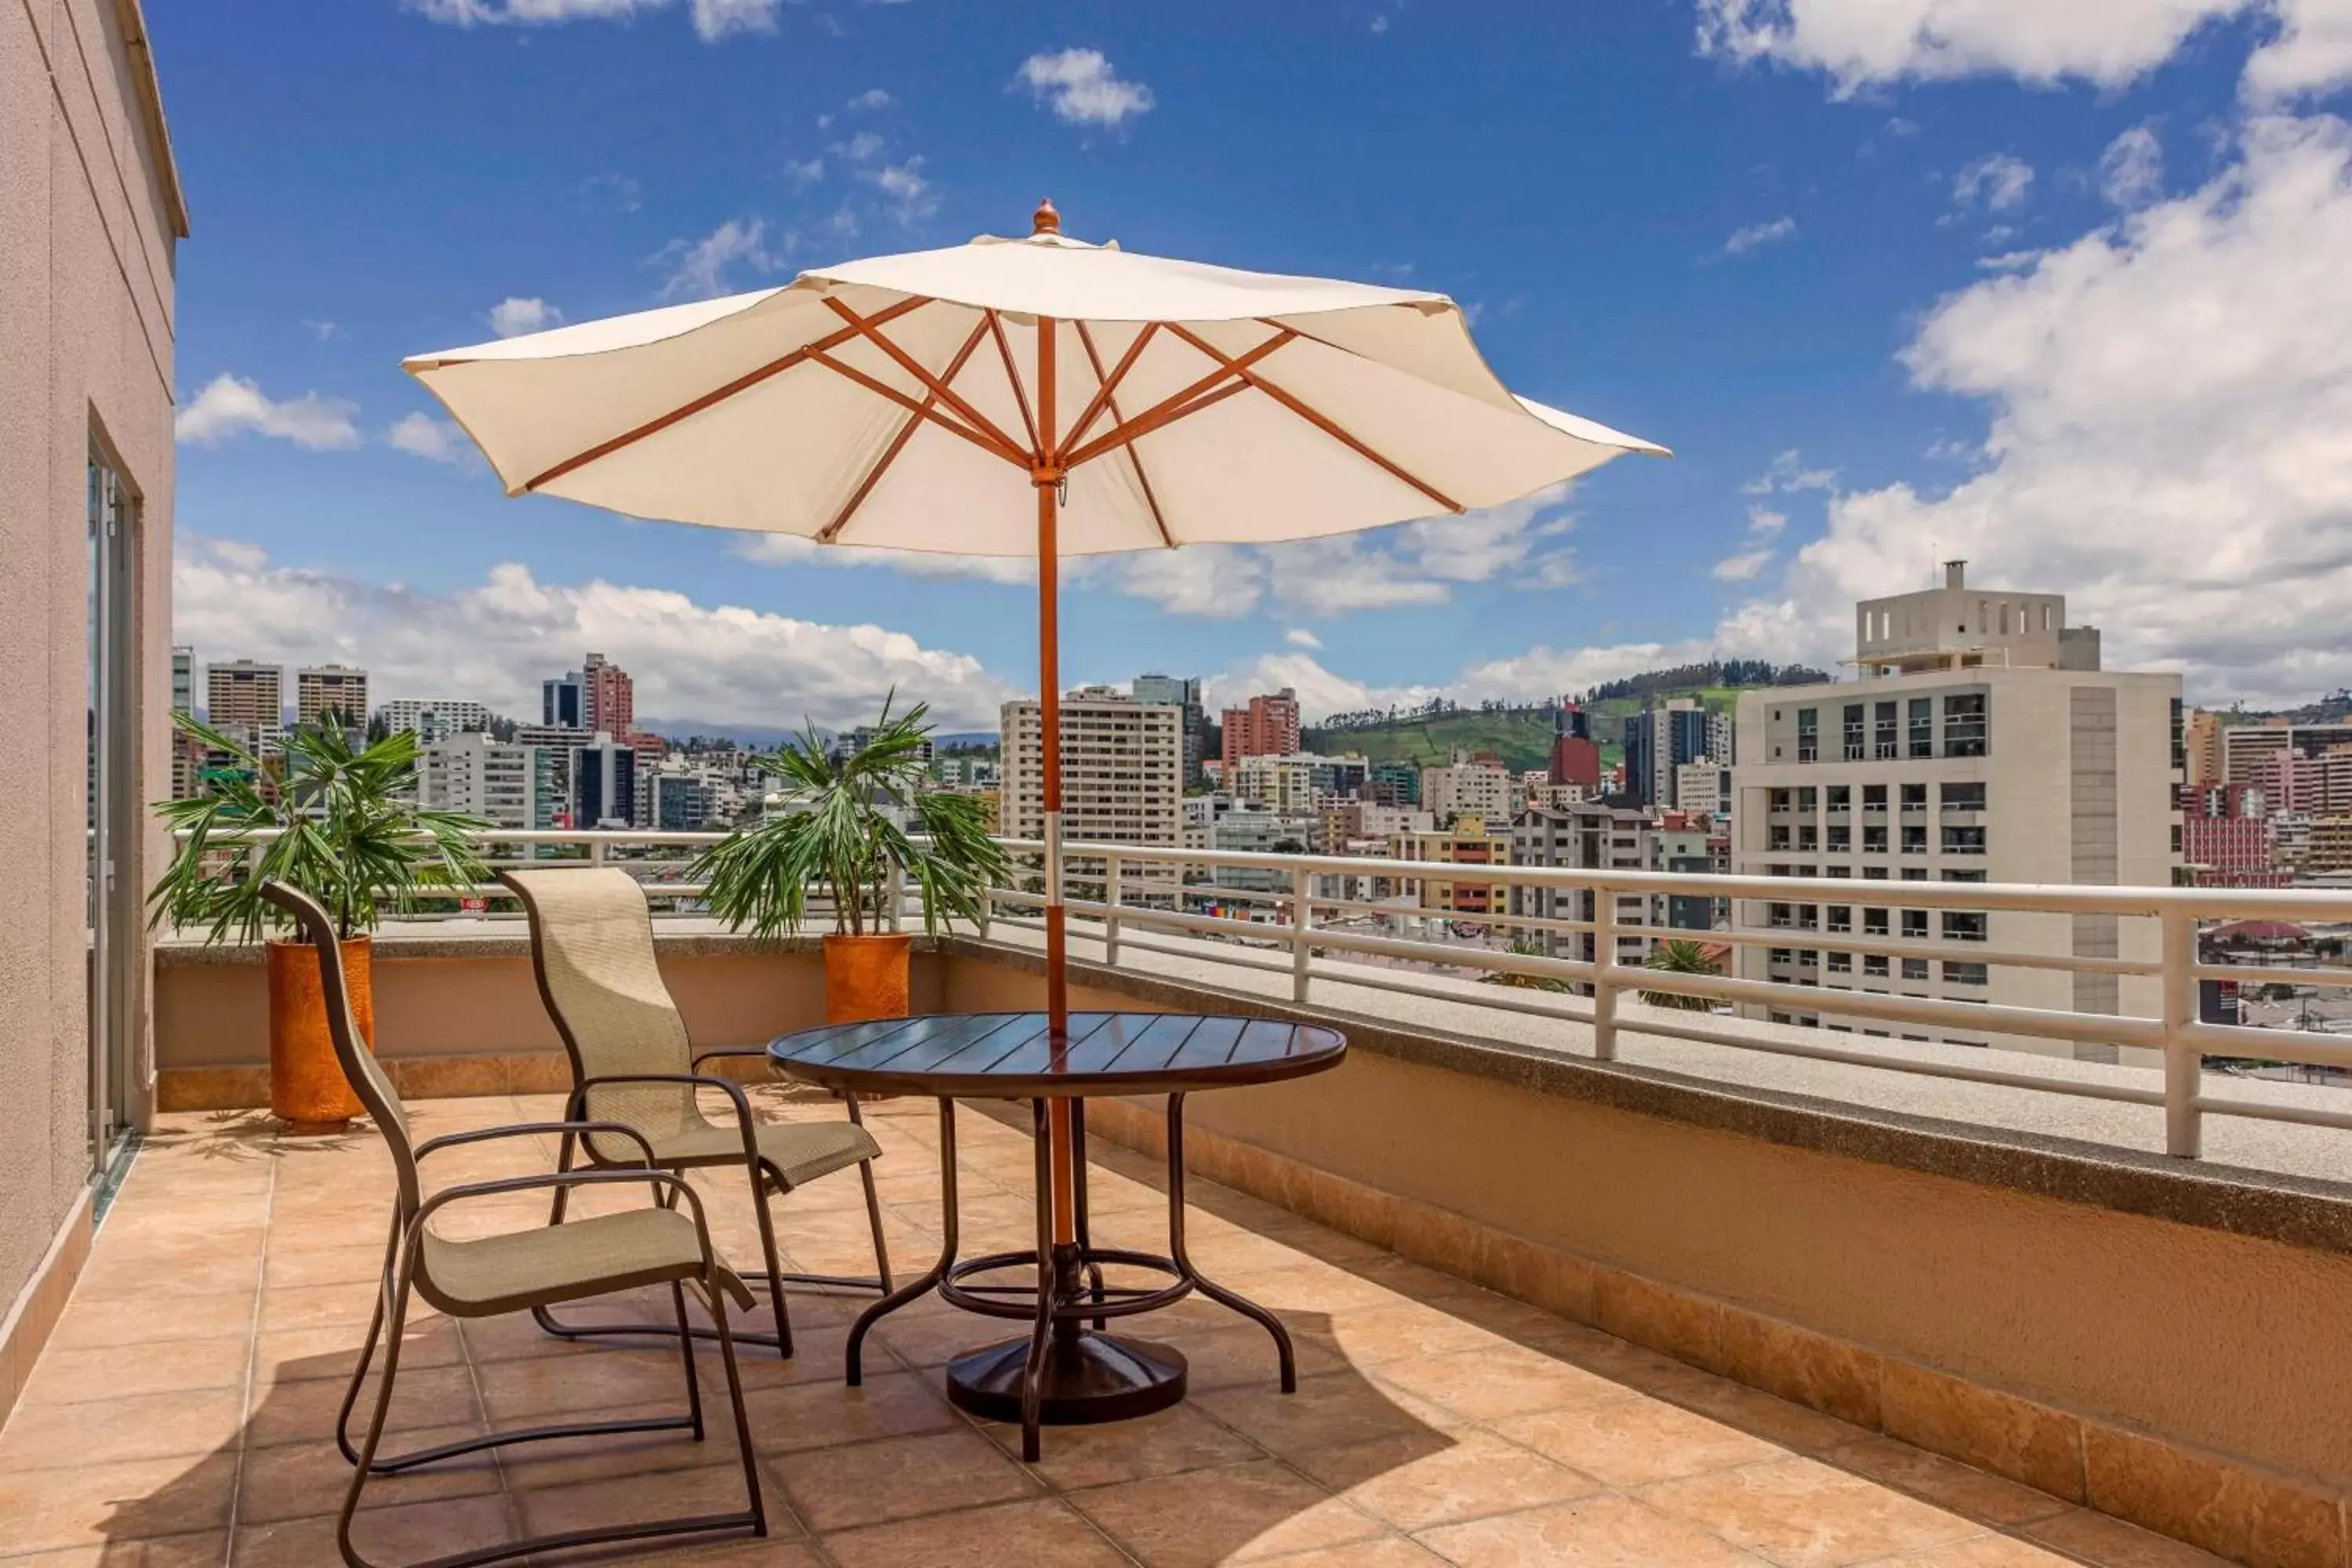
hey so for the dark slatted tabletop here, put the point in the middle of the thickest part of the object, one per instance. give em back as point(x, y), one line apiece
point(1010, 1056)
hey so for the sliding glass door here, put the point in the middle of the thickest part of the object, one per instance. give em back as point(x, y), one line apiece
point(111, 820)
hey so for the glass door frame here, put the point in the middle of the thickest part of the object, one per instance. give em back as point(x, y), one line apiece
point(112, 825)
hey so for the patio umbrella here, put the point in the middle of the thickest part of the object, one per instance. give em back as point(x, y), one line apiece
point(1037, 397)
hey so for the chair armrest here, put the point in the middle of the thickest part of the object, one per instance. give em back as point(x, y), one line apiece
point(744, 1120)
point(484, 1135)
point(719, 1051)
point(715, 1275)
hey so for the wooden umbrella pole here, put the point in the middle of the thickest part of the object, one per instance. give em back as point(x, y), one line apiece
point(1046, 475)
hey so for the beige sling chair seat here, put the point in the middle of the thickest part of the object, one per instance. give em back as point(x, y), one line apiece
point(592, 946)
point(668, 1243)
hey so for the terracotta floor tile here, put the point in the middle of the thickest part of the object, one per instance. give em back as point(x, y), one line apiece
point(776, 1552)
point(146, 1277)
point(573, 1387)
point(305, 1411)
point(174, 1551)
point(401, 1534)
point(1762, 1415)
point(1632, 1441)
point(1385, 1551)
point(302, 1264)
point(1326, 1411)
point(1500, 1381)
point(1242, 1356)
point(1596, 1532)
point(1946, 1483)
point(1802, 1514)
point(1009, 1535)
point(66, 1376)
point(658, 1494)
point(842, 1487)
point(322, 1306)
point(1983, 1551)
point(298, 1480)
point(1173, 1441)
point(111, 1431)
point(814, 1414)
point(2107, 1543)
point(133, 1319)
point(89, 1505)
point(1414, 1483)
point(1236, 1514)
point(301, 1355)
point(1409, 1331)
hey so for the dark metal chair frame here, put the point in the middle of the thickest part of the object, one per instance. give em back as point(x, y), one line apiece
point(763, 1175)
point(405, 1272)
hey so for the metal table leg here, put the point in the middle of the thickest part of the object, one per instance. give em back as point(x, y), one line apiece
point(1209, 1288)
point(930, 1277)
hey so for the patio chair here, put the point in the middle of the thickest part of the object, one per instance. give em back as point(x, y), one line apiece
point(629, 1249)
point(592, 945)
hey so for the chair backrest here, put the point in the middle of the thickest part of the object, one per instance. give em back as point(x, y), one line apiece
point(361, 1070)
point(592, 946)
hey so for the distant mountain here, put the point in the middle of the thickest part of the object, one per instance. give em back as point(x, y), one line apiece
point(767, 737)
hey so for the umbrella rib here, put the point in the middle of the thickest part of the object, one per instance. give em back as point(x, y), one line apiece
point(1013, 378)
point(717, 395)
point(1320, 421)
point(924, 410)
point(1178, 404)
point(1103, 396)
point(832, 530)
point(914, 367)
point(1107, 385)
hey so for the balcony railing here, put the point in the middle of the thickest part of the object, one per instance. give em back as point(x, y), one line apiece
point(1126, 898)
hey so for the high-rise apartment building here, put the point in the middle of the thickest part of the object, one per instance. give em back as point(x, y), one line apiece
point(1276, 782)
point(1575, 755)
point(2244, 746)
point(244, 697)
point(1983, 743)
point(612, 697)
point(1660, 740)
point(339, 690)
point(486, 778)
point(564, 701)
point(2203, 739)
point(1122, 776)
point(1594, 836)
point(2225, 837)
point(1267, 726)
point(1182, 693)
point(187, 751)
point(1467, 786)
point(183, 680)
point(1468, 842)
point(430, 718)
point(2319, 785)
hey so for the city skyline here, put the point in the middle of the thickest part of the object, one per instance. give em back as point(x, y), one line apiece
point(1825, 270)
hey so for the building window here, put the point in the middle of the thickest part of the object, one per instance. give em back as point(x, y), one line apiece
point(1841, 839)
point(1808, 838)
point(1777, 837)
point(1809, 734)
point(1874, 965)
point(1915, 925)
point(1873, 873)
point(1962, 840)
point(1874, 839)
point(1914, 797)
point(1874, 799)
point(1781, 916)
point(1923, 726)
point(1777, 799)
point(1964, 975)
point(1853, 737)
point(1963, 875)
point(1886, 748)
point(1840, 917)
point(1964, 725)
point(1839, 797)
point(1914, 969)
point(1873, 923)
point(1914, 873)
point(1914, 839)
point(1963, 796)
point(1963, 925)
point(1837, 871)
point(1841, 964)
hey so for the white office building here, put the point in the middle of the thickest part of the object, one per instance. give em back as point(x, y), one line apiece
point(493, 779)
point(1466, 788)
point(429, 719)
point(1982, 742)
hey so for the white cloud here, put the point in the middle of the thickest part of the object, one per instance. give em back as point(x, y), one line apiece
point(872, 98)
point(911, 197)
point(862, 148)
point(1741, 567)
point(231, 405)
point(2311, 52)
point(1787, 474)
point(1744, 240)
point(513, 316)
point(2010, 260)
point(497, 638)
point(2188, 488)
point(1299, 636)
point(804, 172)
point(713, 19)
point(1082, 88)
point(702, 269)
point(791, 550)
point(1996, 182)
point(437, 440)
point(1764, 526)
point(2131, 171)
point(322, 331)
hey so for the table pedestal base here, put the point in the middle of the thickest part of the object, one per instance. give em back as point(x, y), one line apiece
point(1085, 1377)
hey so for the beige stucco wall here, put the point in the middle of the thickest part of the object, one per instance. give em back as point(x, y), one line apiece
point(2222, 1342)
point(85, 343)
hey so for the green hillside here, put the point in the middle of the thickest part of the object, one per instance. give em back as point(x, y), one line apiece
point(1522, 735)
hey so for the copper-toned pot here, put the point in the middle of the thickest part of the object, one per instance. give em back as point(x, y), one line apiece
point(306, 1083)
point(865, 977)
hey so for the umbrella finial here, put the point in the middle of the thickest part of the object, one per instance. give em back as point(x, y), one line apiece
point(1045, 220)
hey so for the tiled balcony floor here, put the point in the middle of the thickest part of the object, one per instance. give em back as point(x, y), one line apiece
point(182, 1414)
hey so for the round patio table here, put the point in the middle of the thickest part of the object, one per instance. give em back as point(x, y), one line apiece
point(1069, 1369)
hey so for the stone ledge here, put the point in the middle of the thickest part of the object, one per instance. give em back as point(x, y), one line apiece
point(2222, 1504)
point(511, 939)
point(2297, 1210)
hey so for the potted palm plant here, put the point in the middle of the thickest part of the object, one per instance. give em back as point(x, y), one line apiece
point(1680, 955)
point(329, 818)
point(845, 821)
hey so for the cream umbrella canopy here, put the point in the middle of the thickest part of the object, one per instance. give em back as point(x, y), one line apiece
point(1037, 398)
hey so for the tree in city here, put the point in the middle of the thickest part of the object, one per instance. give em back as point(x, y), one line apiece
point(846, 819)
point(1680, 956)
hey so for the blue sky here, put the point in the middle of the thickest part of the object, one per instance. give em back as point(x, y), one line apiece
point(1888, 293)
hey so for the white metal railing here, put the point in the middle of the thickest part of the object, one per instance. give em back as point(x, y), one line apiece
point(1148, 898)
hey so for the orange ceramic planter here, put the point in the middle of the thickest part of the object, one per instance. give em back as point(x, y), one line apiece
point(306, 1083)
point(865, 977)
